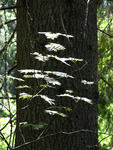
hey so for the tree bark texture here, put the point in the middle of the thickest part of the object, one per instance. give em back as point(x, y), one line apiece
point(67, 17)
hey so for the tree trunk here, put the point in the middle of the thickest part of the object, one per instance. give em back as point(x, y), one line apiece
point(76, 18)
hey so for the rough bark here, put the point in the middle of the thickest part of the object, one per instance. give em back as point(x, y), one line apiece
point(59, 16)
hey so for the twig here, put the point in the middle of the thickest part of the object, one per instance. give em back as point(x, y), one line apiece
point(5, 107)
point(12, 68)
point(8, 22)
point(7, 97)
point(3, 137)
point(3, 4)
point(46, 136)
point(12, 36)
point(105, 33)
point(11, 7)
point(106, 82)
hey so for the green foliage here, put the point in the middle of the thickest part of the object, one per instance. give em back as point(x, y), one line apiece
point(34, 126)
point(50, 77)
point(105, 42)
point(52, 112)
point(7, 61)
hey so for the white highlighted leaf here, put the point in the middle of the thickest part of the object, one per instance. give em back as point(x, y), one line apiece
point(52, 81)
point(47, 99)
point(14, 78)
point(25, 96)
point(60, 74)
point(27, 71)
point(53, 36)
point(87, 82)
point(54, 47)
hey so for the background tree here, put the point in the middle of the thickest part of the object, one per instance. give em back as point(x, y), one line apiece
point(75, 18)
point(105, 73)
point(8, 20)
point(7, 56)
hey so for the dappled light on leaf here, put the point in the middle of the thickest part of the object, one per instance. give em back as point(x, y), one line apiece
point(27, 71)
point(14, 78)
point(40, 57)
point(54, 47)
point(24, 86)
point(87, 82)
point(52, 36)
point(69, 91)
point(52, 81)
point(84, 99)
point(60, 74)
point(24, 96)
point(34, 126)
point(76, 98)
point(47, 99)
point(37, 76)
point(52, 112)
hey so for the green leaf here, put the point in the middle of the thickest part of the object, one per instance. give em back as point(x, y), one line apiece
point(28, 76)
point(67, 109)
point(37, 126)
point(60, 107)
point(37, 76)
point(63, 60)
point(62, 114)
point(34, 126)
point(24, 96)
point(24, 86)
point(46, 86)
point(69, 91)
point(40, 57)
point(52, 112)
point(74, 59)
point(14, 78)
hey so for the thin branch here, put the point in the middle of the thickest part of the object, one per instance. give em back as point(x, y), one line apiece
point(11, 7)
point(106, 82)
point(12, 36)
point(33, 141)
point(7, 97)
point(3, 4)
point(3, 137)
point(5, 107)
point(8, 22)
point(105, 33)
point(46, 136)
point(12, 68)
point(83, 130)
